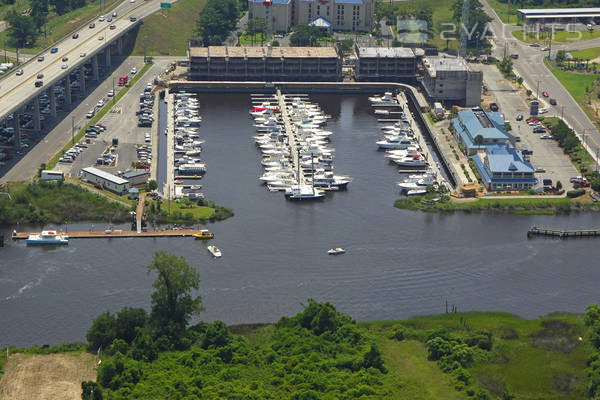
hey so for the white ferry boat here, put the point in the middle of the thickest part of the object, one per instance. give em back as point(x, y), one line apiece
point(47, 237)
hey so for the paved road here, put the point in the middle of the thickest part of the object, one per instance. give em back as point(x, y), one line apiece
point(121, 125)
point(531, 67)
point(16, 90)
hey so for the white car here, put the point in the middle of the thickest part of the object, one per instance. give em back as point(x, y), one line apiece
point(543, 111)
point(545, 137)
point(100, 37)
point(64, 66)
point(101, 18)
point(133, 71)
point(82, 54)
point(111, 93)
point(100, 103)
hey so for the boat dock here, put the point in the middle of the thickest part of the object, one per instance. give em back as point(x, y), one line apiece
point(403, 101)
point(535, 231)
point(117, 233)
point(291, 134)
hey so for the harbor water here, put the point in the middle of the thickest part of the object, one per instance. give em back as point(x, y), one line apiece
point(397, 263)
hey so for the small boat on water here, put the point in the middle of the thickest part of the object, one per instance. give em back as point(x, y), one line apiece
point(47, 237)
point(336, 251)
point(203, 234)
point(214, 250)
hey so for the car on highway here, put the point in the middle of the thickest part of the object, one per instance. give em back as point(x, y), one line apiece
point(109, 19)
point(92, 25)
point(114, 14)
point(535, 45)
point(41, 58)
point(19, 72)
point(519, 117)
point(82, 54)
point(100, 103)
point(64, 66)
point(110, 93)
point(54, 50)
point(133, 71)
point(545, 94)
point(75, 35)
point(545, 137)
point(100, 37)
point(38, 83)
point(40, 75)
point(113, 26)
point(65, 58)
point(553, 102)
point(101, 18)
point(132, 19)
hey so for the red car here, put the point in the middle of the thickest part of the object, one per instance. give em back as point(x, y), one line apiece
point(545, 94)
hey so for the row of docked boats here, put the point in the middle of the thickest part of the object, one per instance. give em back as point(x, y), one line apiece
point(296, 156)
point(187, 146)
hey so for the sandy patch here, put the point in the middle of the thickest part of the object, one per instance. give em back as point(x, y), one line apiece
point(46, 377)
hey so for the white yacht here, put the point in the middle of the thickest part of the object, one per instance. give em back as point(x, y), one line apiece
point(411, 161)
point(395, 143)
point(303, 192)
point(328, 179)
point(386, 100)
point(422, 183)
point(47, 237)
point(336, 251)
point(214, 250)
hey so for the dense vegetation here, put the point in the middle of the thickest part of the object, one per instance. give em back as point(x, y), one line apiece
point(321, 353)
point(218, 19)
point(185, 211)
point(56, 202)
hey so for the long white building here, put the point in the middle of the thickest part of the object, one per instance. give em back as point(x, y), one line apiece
point(343, 15)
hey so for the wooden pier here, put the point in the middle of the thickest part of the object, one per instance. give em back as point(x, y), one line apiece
point(535, 231)
point(117, 233)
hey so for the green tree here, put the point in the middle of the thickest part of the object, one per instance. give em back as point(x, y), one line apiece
point(478, 140)
point(592, 314)
point(477, 27)
point(172, 301)
point(91, 391)
point(151, 185)
point(102, 332)
point(22, 29)
point(216, 20)
point(373, 359)
point(559, 185)
point(128, 319)
point(304, 35)
point(528, 92)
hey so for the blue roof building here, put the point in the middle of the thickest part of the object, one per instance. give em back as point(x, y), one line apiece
point(503, 168)
point(477, 122)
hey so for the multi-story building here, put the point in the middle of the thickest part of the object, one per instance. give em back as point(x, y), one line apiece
point(469, 124)
point(449, 80)
point(265, 63)
point(344, 15)
point(386, 64)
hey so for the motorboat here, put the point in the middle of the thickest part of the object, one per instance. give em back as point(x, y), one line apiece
point(422, 183)
point(214, 250)
point(47, 237)
point(336, 251)
point(303, 192)
point(386, 100)
point(411, 161)
point(328, 179)
point(203, 234)
point(192, 168)
point(395, 143)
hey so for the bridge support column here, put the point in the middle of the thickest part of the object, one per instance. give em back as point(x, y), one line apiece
point(17, 128)
point(82, 80)
point(120, 46)
point(68, 90)
point(95, 67)
point(37, 123)
point(52, 95)
point(107, 54)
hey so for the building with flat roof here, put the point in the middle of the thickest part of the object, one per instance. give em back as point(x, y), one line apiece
point(532, 15)
point(264, 63)
point(450, 80)
point(388, 64)
point(105, 180)
point(136, 177)
point(503, 168)
point(344, 15)
point(478, 122)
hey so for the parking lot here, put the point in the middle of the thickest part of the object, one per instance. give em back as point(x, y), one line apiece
point(546, 155)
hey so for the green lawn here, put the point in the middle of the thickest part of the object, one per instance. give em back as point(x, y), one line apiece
point(507, 12)
point(166, 32)
point(255, 39)
point(60, 26)
point(442, 13)
point(574, 82)
point(586, 54)
point(560, 37)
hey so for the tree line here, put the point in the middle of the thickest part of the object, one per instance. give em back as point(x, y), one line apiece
point(218, 19)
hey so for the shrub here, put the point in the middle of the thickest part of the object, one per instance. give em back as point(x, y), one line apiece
point(575, 193)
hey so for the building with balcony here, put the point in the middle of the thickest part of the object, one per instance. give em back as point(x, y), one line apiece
point(449, 80)
point(264, 64)
point(388, 64)
point(503, 168)
point(344, 15)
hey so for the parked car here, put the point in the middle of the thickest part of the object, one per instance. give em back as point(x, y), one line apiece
point(545, 137)
point(526, 152)
point(494, 107)
point(535, 45)
point(539, 130)
point(540, 170)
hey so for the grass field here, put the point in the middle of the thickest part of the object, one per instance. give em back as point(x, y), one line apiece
point(60, 26)
point(560, 37)
point(507, 12)
point(161, 37)
point(255, 39)
point(586, 54)
point(575, 83)
point(50, 376)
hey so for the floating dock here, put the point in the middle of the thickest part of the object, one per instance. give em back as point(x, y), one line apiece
point(535, 231)
point(117, 233)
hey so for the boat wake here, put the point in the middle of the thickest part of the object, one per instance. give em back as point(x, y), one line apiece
point(28, 286)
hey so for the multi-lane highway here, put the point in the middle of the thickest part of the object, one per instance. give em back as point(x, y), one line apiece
point(530, 65)
point(16, 90)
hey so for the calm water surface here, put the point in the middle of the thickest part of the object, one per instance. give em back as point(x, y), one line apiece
point(397, 264)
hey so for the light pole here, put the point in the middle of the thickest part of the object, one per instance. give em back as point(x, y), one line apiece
point(562, 111)
point(113, 96)
point(537, 90)
point(73, 130)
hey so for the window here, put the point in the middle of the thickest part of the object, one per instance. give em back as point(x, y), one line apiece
point(318, 9)
point(328, 11)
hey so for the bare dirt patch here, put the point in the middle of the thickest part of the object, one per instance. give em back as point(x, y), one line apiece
point(74, 21)
point(46, 377)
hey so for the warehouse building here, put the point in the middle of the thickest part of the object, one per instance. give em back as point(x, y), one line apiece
point(547, 15)
point(449, 80)
point(105, 180)
point(386, 64)
point(264, 63)
point(344, 15)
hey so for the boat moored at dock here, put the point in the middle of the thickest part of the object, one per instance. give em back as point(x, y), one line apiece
point(47, 237)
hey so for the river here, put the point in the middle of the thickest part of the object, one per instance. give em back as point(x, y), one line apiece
point(398, 263)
